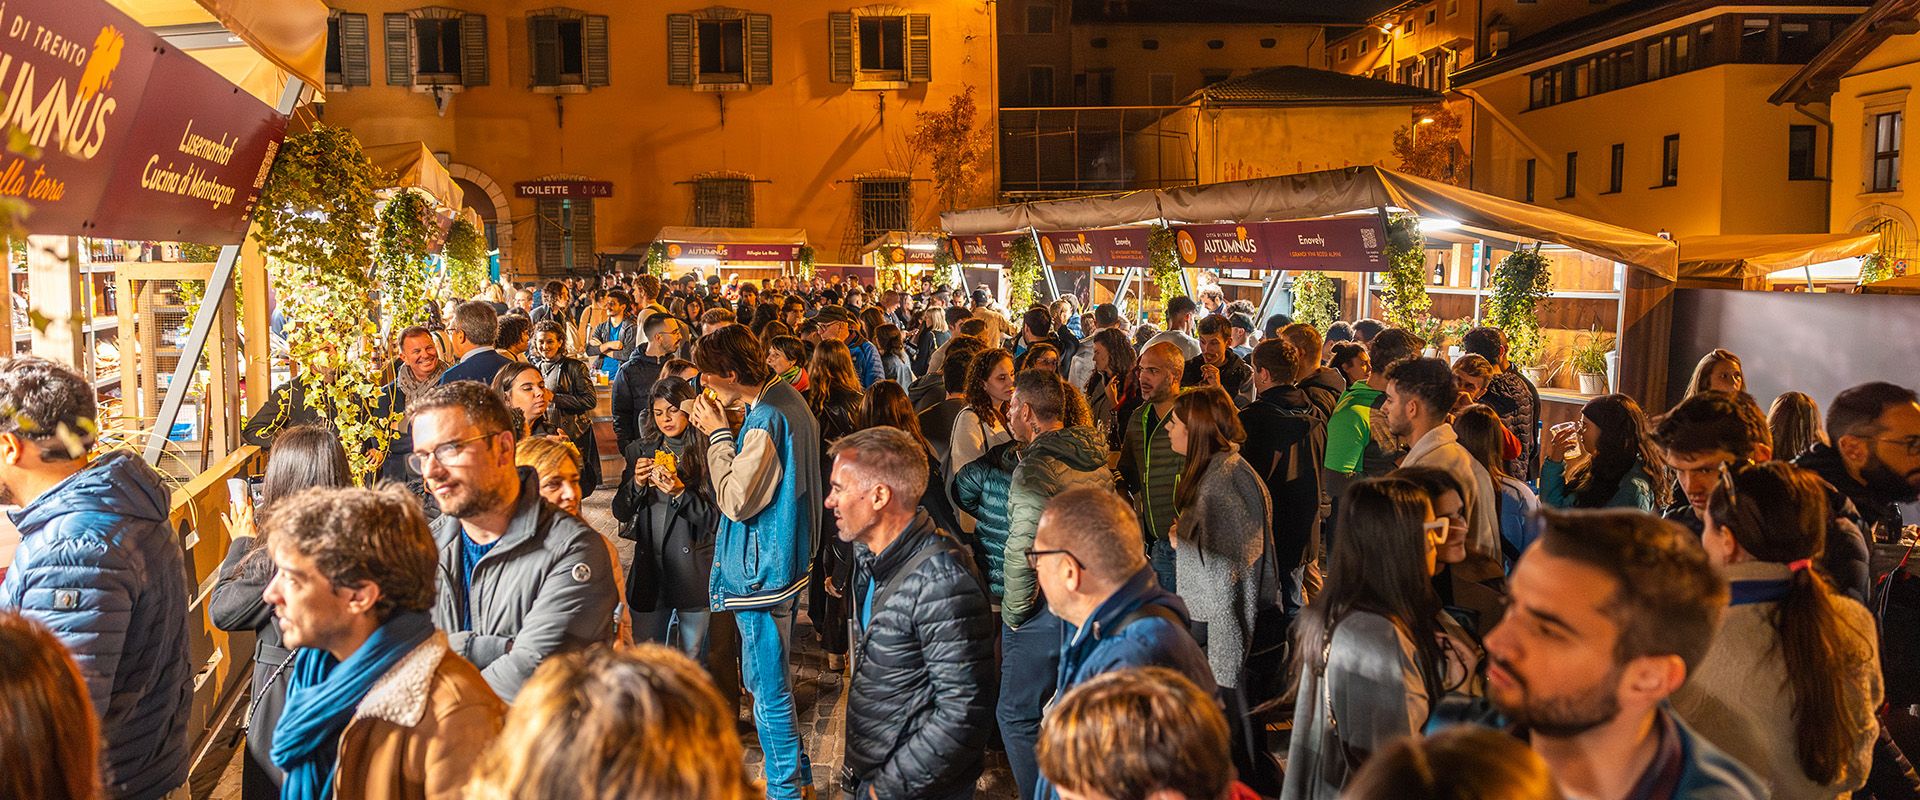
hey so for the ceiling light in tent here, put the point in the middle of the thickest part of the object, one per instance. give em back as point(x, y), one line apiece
point(1430, 224)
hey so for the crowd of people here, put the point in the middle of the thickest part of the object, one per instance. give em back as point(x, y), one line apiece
point(1223, 558)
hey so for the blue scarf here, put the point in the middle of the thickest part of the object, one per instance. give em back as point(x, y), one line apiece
point(322, 695)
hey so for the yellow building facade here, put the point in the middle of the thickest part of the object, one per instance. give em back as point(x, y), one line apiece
point(761, 114)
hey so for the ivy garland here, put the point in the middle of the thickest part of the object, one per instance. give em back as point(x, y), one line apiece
point(1313, 301)
point(1163, 262)
point(1023, 271)
point(1403, 295)
point(466, 257)
point(656, 260)
point(401, 259)
point(316, 222)
point(1875, 267)
point(1523, 279)
point(804, 266)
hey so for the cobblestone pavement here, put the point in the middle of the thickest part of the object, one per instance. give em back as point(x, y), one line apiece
point(818, 696)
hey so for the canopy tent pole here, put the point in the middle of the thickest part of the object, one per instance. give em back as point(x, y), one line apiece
point(1046, 267)
point(1268, 294)
point(204, 320)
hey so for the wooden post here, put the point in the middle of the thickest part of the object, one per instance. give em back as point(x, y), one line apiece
point(258, 339)
point(132, 408)
point(222, 398)
point(55, 291)
point(6, 299)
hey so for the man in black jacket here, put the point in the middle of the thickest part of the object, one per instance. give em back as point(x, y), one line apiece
point(1874, 459)
point(920, 703)
point(1286, 443)
point(634, 382)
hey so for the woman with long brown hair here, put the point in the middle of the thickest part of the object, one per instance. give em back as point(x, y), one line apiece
point(49, 736)
point(1794, 420)
point(1109, 389)
point(1223, 534)
point(1618, 464)
point(1792, 681)
point(1718, 371)
point(834, 394)
point(983, 423)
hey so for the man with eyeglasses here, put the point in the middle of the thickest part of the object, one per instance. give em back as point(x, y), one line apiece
point(1709, 432)
point(520, 580)
point(1874, 457)
point(1087, 559)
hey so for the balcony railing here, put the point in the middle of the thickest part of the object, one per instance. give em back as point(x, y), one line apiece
point(1066, 151)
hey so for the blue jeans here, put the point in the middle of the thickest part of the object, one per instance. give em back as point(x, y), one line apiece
point(764, 635)
point(1029, 666)
point(685, 631)
point(1160, 555)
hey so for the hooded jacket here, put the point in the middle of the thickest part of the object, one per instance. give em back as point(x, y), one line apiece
point(547, 587)
point(99, 565)
point(1350, 429)
point(1055, 461)
point(1324, 388)
point(631, 386)
point(981, 491)
point(920, 704)
point(1872, 510)
point(1286, 444)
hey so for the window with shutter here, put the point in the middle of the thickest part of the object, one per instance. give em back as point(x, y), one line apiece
point(722, 45)
point(353, 51)
point(557, 39)
point(919, 48)
point(581, 234)
point(680, 31)
point(598, 67)
point(399, 49)
point(436, 47)
point(336, 62)
point(473, 51)
point(883, 48)
point(840, 47)
point(759, 49)
point(548, 236)
point(723, 200)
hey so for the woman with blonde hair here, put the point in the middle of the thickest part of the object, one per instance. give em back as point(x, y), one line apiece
point(640, 722)
point(557, 465)
point(49, 737)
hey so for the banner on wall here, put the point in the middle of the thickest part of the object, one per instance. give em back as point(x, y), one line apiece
point(1345, 244)
point(721, 251)
point(118, 134)
point(1099, 247)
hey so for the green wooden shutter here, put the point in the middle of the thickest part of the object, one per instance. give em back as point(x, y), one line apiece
point(919, 48)
point(543, 39)
point(598, 67)
point(473, 50)
point(353, 50)
point(547, 235)
point(840, 47)
point(760, 48)
point(583, 251)
point(399, 50)
point(680, 49)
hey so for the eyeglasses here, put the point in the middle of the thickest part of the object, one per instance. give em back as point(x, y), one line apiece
point(1437, 529)
point(1911, 443)
point(445, 454)
point(1033, 557)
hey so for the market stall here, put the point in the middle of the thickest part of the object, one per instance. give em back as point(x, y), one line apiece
point(1766, 261)
point(904, 257)
point(751, 253)
point(1369, 235)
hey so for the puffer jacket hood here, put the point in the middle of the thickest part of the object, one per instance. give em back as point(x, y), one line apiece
point(980, 489)
point(1054, 462)
point(1079, 448)
point(119, 484)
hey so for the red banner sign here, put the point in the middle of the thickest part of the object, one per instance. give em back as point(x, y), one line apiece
point(734, 252)
point(990, 249)
point(184, 162)
point(559, 190)
point(1350, 244)
point(1102, 247)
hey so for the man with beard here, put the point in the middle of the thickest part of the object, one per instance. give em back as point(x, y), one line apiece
point(1711, 431)
point(520, 580)
point(1148, 463)
point(1610, 612)
point(1874, 459)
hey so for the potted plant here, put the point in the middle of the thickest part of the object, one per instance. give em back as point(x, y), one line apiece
point(1452, 333)
point(1520, 282)
point(1589, 361)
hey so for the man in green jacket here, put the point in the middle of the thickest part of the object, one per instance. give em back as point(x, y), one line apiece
point(1148, 464)
point(1054, 457)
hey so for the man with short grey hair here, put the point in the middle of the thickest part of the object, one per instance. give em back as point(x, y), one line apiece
point(920, 706)
point(471, 337)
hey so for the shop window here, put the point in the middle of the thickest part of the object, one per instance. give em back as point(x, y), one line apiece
point(347, 51)
point(1039, 86)
point(719, 49)
point(886, 204)
point(436, 47)
point(723, 200)
point(1040, 18)
point(875, 48)
point(1532, 173)
point(1573, 173)
point(1886, 152)
point(563, 235)
point(1800, 153)
point(569, 48)
point(1670, 160)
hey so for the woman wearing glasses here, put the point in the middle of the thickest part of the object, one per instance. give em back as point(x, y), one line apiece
point(1374, 652)
point(1809, 729)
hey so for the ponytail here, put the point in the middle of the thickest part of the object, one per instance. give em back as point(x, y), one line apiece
point(1813, 641)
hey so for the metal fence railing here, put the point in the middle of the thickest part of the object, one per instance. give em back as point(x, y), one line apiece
point(1094, 149)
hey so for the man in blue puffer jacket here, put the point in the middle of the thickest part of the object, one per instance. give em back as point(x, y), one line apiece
point(99, 565)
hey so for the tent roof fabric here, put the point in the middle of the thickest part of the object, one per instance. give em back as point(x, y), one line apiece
point(1347, 12)
point(1322, 194)
point(1306, 86)
point(413, 166)
point(1756, 255)
point(901, 238)
point(289, 36)
point(732, 235)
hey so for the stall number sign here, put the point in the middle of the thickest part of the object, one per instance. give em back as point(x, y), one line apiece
point(1352, 244)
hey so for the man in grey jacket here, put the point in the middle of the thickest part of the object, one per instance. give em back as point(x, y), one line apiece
point(520, 580)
